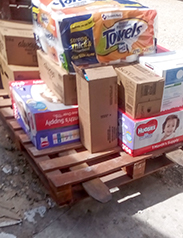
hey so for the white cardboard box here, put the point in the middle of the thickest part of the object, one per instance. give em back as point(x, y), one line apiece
point(170, 66)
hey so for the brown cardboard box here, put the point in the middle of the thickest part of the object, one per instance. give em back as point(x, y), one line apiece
point(17, 45)
point(139, 91)
point(16, 24)
point(97, 101)
point(14, 72)
point(57, 79)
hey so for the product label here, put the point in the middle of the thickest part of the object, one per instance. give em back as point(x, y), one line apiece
point(122, 35)
point(52, 120)
point(55, 137)
point(77, 40)
point(147, 128)
point(72, 3)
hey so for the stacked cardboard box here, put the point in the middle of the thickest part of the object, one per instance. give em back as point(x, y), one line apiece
point(57, 79)
point(100, 90)
point(97, 101)
point(45, 119)
point(18, 58)
point(143, 132)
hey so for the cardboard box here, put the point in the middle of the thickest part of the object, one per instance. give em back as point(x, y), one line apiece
point(14, 73)
point(18, 46)
point(57, 79)
point(16, 24)
point(139, 91)
point(170, 66)
point(97, 102)
point(140, 136)
point(47, 122)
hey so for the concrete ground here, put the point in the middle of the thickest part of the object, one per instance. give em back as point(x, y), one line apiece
point(150, 207)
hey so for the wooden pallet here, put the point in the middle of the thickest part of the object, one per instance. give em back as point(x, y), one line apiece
point(71, 173)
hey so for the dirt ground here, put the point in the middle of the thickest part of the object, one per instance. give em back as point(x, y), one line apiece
point(150, 207)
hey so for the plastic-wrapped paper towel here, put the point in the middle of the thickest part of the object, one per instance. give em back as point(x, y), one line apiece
point(94, 32)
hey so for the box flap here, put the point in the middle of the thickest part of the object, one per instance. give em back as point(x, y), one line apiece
point(100, 72)
point(15, 25)
point(17, 32)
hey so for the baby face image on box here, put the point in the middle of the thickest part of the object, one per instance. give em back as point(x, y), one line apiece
point(144, 135)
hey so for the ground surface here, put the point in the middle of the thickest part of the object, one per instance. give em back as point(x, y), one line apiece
point(149, 207)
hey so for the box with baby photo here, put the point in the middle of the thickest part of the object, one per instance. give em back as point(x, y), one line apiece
point(46, 121)
point(140, 136)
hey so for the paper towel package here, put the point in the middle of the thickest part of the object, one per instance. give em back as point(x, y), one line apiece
point(94, 32)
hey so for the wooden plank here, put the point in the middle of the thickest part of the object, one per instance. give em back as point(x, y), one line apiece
point(3, 93)
point(7, 112)
point(23, 137)
point(153, 165)
point(14, 124)
point(116, 179)
point(36, 153)
point(120, 178)
point(97, 170)
point(5, 103)
point(74, 159)
point(95, 187)
point(176, 156)
point(61, 197)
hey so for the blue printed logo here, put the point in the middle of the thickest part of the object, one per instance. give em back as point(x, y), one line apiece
point(129, 137)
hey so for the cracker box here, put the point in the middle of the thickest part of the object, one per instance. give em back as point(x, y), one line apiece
point(140, 136)
point(97, 104)
point(139, 91)
point(47, 122)
point(57, 79)
point(170, 66)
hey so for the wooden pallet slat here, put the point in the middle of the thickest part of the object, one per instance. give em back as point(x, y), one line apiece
point(36, 153)
point(70, 172)
point(7, 112)
point(93, 171)
point(74, 159)
point(5, 103)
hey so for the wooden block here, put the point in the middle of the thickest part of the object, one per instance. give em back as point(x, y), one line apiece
point(136, 170)
point(64, 195)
